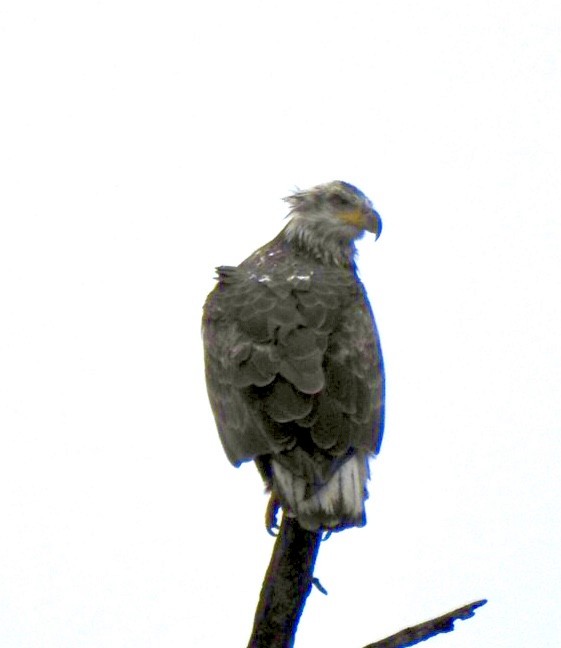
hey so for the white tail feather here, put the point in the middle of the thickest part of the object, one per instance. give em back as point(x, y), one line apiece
point(338, 504)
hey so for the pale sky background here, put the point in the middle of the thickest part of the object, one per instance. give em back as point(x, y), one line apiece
point(144, 143)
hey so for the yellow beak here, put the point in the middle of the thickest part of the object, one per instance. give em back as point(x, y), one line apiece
point(364, 219)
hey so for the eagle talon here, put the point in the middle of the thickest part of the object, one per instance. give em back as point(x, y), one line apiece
point(271, 514)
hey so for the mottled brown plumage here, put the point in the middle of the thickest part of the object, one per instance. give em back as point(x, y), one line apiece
point(293, 362)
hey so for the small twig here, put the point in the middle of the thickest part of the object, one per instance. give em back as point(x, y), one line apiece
point(286, 586)
point(428, 629)
point(316, 582)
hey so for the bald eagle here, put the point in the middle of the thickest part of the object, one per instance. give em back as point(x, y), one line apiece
point(293, 363)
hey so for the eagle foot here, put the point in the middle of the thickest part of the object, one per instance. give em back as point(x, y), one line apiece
point(271, 514)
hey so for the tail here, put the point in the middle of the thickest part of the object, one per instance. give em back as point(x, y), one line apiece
point(335, 505)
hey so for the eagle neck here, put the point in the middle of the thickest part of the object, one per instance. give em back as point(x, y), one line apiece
point(328, 248)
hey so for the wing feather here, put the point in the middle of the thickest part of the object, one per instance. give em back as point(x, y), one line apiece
point(293, 365)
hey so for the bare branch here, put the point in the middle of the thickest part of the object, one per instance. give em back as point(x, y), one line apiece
point(428, 629)
point(288, 582)
point(286, 586)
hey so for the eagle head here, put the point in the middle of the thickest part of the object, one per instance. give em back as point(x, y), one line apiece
point(328, 218)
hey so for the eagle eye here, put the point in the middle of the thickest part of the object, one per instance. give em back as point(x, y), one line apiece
point(337, 200)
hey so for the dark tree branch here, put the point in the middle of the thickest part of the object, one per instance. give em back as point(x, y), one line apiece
point(426, 630)
point(288, 582)
point(286, 586)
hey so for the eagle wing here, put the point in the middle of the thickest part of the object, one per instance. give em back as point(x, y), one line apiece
point(293, 366)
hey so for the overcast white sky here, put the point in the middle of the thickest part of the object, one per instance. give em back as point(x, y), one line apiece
point(144, 143)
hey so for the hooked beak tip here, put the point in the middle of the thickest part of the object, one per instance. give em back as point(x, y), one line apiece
point(375, 223)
